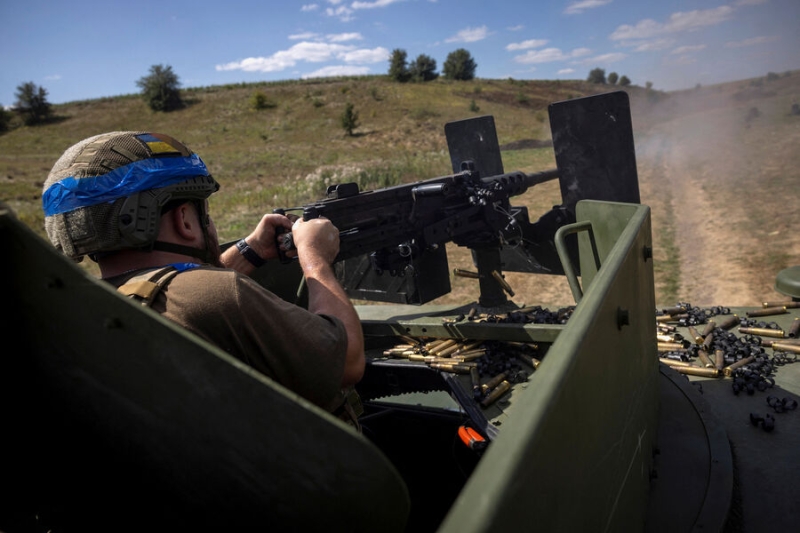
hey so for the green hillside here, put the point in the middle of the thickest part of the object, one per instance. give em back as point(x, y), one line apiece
point(287, 153)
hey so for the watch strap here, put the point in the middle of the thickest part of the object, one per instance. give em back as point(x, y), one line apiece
point(249, 254)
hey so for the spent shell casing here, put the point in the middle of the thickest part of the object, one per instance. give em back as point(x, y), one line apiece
point(788, 305)
point(471, 356)
point(768, 311)
point(503, 283)
point(728, 370)
point(671, 347)
point(794, 329)
point(719, 359)
point(503, 387)
point(674, 362)
point(494, 382)
point(454, 368)
point(705, 359)
point(422, 358)
point(729, 322)
point(708, 341)
point(674, 310)
point(465, 273)
point(697, 371)
point(698, 339)
point(786, 347)
point(710, 325)
point(666, 328)
point(763, 332)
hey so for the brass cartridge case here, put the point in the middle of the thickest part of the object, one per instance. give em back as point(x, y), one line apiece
point(503, 283)
point(696, 371)
point(768, 311)
point(494, 382)
point(788, 305)
point(763, 332)
point(729, 322)
point(710, 325)
point(450, 367)
point(786, 347)
point(496, 393)
point(794, 329)
point(719, 359)
point(703, 356)
point(674, 362)
point(670, 347)
point(465, 273)
point(708, 341)
point(422, 358)
point(675, 310)
point(728, 370)
point(698, 339)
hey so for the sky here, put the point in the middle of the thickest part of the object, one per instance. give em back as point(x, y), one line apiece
point(87, 49)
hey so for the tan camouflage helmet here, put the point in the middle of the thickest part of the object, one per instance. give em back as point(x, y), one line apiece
point(107, 192)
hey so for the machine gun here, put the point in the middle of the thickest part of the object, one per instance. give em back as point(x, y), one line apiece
point(392, 239)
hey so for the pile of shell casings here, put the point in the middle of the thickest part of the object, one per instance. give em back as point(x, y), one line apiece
point(501, 362)
point(716, 351)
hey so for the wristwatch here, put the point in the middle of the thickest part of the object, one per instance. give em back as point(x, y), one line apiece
point(249, 254)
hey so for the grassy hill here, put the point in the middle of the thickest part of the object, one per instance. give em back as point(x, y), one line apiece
point(690, 144)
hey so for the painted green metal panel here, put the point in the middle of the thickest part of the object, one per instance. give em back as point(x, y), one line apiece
point(575, 454)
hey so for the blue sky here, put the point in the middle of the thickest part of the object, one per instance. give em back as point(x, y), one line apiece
point(84, 49)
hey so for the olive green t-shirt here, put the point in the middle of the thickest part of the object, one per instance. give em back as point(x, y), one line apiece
point(303, 351)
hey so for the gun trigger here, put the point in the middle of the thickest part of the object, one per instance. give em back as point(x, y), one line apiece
point(283, 242)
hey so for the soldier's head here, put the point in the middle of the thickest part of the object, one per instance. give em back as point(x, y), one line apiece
point(108, 193)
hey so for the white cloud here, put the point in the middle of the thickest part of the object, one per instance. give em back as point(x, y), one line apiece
point(579, 7)
point(303, 36)
point(337, 70)
point(344, 13)
point(687, 49)
point(371, 5)
point(550, 54)
point(566, 71)
point(362, 56)
point(309, 7)
point(53, 77)
point(678, 22)
point(650, 46)
point(341, 37)
point(518, 27)
point(752, 41)
point(750, 2)
point(524, 45)
point(309, 52)
point(469, 35)
point(604, 58)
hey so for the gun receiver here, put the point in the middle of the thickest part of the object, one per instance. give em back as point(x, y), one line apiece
point(391, 239)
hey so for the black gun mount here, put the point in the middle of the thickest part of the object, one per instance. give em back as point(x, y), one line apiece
point(392, 239)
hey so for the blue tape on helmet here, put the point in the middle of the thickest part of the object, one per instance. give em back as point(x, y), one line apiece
point(72, 193)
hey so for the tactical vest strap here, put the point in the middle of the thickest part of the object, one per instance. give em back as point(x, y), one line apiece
point(146, 286)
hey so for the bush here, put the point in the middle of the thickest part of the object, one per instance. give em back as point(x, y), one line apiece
point(32, 103)
point(160, 89)
point(260, 100)
point(459, 65)
point(349, 119)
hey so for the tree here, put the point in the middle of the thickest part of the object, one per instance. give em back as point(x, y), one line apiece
point(349, 119)
point(160, 88)
point(398, 66)
point(5, 119)
point(423, 68)
point(612, 78)
point(32, 103)
point(597, 75)
point(459, 65)
point(624, 81)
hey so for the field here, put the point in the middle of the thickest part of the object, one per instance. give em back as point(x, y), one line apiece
point(718, 165)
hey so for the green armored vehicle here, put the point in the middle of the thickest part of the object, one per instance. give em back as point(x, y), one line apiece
point(486, 416)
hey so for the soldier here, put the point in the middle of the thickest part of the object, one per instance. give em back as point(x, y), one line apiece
point(137, 204)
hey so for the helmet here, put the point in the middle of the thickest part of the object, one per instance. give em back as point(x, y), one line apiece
point(107, 192)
